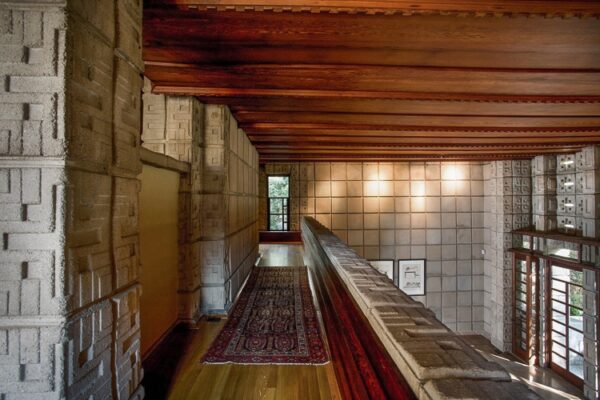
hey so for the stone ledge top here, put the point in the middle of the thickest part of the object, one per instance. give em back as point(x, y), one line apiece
point(436, 362)
point(163, 161)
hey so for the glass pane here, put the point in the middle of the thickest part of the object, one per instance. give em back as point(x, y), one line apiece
point(276, 206)
point(558, 338)
point(559, 317)
point(576, 364)
point(559, 307)
point(576, 277)
point(561, 362)
point(559, 285)
point(276, 223)
point(576, 298)
point(560, 328)
point(560, 350)
point(561, 273)
point(279, 186)
point(576, 341)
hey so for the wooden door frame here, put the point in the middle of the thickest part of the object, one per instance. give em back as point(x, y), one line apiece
point(530, 355)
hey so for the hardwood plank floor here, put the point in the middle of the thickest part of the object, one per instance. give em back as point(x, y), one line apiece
point(174, 370)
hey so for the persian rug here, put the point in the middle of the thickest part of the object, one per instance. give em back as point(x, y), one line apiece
point(274, 321)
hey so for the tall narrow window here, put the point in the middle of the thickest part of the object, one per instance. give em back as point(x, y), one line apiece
point(279, 199)
point(566, 322)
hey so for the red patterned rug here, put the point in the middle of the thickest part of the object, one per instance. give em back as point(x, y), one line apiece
point(273, 322)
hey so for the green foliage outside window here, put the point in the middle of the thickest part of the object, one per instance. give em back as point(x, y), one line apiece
point(279, 186)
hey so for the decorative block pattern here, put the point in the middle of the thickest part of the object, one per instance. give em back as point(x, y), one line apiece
point(128, 362)
point(508, 194)
point(230, 209)
point(69, 125)
point(89, 352)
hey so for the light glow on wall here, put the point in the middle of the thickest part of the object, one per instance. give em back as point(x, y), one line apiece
point(450, 173)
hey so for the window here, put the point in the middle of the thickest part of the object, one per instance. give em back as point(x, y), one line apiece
point(525, 307)
point(566, 321)
point(279, 198)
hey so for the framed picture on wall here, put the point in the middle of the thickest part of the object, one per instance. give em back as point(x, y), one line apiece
point(385, 267)
point(411, 277)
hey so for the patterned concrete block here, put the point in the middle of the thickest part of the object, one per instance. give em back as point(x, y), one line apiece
point(59, 113)
point(88, 237)
point(28, 361)
point(89, 348)
point(89, 129)
point(126, 117)
point(128, 370)
point(125, 218)
point(588, 158)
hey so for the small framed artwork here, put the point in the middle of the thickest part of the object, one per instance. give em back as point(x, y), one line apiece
point(411, 277)
point(385, 267)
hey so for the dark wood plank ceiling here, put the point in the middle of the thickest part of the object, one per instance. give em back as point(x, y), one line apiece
point(333, 79)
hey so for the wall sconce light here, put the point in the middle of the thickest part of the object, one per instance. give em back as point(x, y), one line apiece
point(569, 183)
point(567, 162)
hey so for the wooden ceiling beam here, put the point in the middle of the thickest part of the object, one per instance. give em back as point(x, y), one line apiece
point(456, 121)
point(235, 55)
point(417, 140)
point(376, 79)
point(494, 7)
point(347, 85)
point(187, 89)
point(421, 107)
point(424, 132)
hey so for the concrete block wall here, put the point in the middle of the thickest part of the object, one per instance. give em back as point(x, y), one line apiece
point(174, 126)
point(69, 157)
point(401, 211)
point(544, 201)
point(507, 207)
point(229, 213)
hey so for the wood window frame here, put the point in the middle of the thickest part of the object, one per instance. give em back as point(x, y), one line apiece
point(529, 355)
point(286, 205)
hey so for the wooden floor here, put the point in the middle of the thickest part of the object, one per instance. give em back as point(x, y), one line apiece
point(174, 370)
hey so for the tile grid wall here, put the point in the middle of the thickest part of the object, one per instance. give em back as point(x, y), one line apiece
point(401, 211)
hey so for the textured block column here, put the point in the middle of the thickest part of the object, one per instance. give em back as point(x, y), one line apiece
point(230, 209)
point(174, 126)
point(587, 192)
point(508, 207)
point(69, 148)
point(565, 193)
point(543, 175)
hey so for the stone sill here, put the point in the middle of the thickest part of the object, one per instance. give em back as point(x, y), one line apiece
point(162, 161)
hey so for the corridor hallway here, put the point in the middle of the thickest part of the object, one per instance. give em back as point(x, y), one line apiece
point(175, 370)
